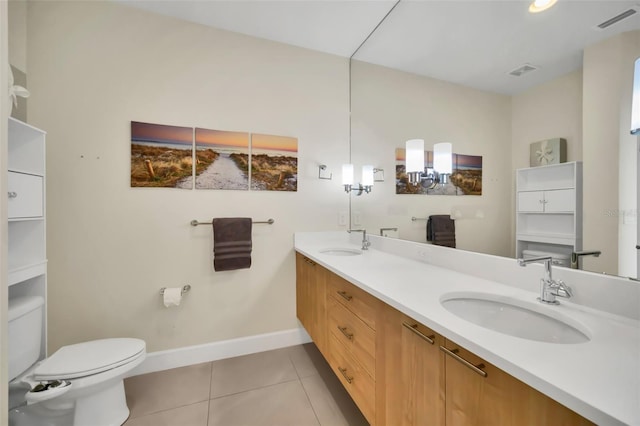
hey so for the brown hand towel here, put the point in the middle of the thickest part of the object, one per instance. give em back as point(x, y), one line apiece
point(441, 230)
point(231, 243)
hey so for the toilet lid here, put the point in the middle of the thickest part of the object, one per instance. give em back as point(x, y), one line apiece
point(85, 359)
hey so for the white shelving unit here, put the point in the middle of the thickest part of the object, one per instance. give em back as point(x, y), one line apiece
point(27, 255)
point(549, 209)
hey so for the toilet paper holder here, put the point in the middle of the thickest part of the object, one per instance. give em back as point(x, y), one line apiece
point(185, 289)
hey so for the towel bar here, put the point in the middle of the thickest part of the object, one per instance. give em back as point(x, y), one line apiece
point(196, 223)
point(185, 289)
point(413, 219)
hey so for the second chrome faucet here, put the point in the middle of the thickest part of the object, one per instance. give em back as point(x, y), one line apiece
point(365, 242)
point(549, 288)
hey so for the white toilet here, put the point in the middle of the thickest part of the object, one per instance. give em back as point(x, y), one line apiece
point(83, 382)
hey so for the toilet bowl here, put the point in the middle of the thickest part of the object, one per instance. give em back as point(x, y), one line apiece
point(79, 385)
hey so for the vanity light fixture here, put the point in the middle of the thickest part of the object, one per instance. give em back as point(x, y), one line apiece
point(635, 105)
point(541, 5)
point(442, 163)
point(367, 179)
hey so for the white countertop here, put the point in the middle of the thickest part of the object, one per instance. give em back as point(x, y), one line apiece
point(599, 379)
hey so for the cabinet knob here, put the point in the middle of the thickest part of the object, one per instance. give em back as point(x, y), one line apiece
point(12, 194)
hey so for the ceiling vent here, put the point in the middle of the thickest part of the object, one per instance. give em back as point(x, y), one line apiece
point(619, 17)
point(524, 69)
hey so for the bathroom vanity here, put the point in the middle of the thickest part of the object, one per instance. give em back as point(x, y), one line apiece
point(383, 321)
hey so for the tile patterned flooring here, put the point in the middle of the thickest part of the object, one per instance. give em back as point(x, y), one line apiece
point(289, 386)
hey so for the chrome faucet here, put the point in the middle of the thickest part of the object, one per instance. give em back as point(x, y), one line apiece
point(549, 288)
point(575, 257)
point(365, 242)
point(386, 229)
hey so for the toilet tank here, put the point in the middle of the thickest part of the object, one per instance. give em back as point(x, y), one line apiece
point(25, 333)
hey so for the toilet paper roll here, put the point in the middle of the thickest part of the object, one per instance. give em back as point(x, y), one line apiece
point(172, 296)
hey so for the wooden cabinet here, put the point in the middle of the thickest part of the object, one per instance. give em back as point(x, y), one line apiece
point(478, 393)
point(549, 210)
point(310, 299)
point(26, 254)
point(414, 368)
point(400, 372)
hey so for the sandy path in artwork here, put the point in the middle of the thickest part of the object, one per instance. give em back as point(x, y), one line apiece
point(222, 174)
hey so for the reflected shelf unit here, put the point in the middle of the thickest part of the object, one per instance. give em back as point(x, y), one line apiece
point(27, 257)
point(549, 208)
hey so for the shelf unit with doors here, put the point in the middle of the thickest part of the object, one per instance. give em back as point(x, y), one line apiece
point(27, 257)
point(549, 209)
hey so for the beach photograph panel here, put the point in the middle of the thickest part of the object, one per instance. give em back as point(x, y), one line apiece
point(465, 179)
point(222, 159)
point(274, 163)
point(161, 155)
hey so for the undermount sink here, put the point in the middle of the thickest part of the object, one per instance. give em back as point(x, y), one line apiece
point(341, 251)
point(515, 317)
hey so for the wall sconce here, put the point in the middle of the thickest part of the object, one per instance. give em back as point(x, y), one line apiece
point(322, 168)
point(635, 105)
point(367, 179)
point(442, 163)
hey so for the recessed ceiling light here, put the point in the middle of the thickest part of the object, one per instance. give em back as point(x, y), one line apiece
point(540, 5)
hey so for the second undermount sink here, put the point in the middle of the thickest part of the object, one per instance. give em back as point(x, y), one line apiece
point(515, 317)
point(341, 251)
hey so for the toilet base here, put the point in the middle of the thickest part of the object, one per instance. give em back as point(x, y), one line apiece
point(107, 407)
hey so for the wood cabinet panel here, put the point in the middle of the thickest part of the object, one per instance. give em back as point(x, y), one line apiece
point(360, 385)
point(497, 399)
point(358, 338)
point(353, 298)
point(311, 299)
point(414, 369)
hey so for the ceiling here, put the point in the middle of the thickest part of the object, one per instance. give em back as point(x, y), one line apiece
point(475, 43)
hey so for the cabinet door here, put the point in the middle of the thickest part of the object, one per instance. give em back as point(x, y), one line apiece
point(25, 195)
point(310, 299)
point(561, 200)
point(414, 369)
point(531, 201)
point(496, 398)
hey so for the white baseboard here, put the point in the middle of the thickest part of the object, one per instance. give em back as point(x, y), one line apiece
point(180, 357)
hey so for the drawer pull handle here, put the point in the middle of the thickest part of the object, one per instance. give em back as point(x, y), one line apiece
point(344, 331)
point(345, 296)
point(12, 194)
point(454, 353)
point(344, 374)
point(423, 336)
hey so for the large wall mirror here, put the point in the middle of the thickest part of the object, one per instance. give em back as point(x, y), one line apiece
point(440, 71)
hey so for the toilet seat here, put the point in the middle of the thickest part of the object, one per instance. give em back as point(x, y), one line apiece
point(89, 358)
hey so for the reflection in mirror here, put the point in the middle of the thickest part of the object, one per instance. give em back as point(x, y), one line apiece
point(439, 71)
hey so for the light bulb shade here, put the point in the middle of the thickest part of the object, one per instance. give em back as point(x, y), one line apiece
point(347, 174)
point(635, 105)
point(442, 158)
point(414, 156)
point(367, 175)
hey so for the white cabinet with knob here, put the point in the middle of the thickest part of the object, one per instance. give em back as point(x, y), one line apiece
point(549, 208)
point(27, 256)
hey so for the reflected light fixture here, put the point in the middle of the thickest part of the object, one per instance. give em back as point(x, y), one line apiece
point(364, 186)
point(442, 163)
point(541, 5)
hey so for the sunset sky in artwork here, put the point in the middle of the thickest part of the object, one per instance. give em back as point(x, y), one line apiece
point(207, 137)
point(160, 133)
point(279, 143)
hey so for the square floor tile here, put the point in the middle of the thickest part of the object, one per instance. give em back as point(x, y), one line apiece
point(284, 404)
point(307, 359)
point(253, 371)
point(331, 402)
point(162, 390)
point(189, 415)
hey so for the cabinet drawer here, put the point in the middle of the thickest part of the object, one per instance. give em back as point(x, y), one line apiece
point(25, 195)
point(354, 378)
point(356, 300)
point(355, 335)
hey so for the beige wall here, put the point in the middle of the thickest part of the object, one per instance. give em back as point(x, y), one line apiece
point(390, 107)
point(608, 81)
point(94, 67)
point(18, 34)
